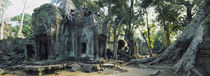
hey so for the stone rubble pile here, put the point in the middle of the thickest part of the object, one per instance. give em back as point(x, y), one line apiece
point(11, 56)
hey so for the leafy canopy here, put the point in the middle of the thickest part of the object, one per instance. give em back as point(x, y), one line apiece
point(26, 30)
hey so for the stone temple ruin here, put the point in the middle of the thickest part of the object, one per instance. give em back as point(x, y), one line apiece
point(56, 37)
point(76, 42)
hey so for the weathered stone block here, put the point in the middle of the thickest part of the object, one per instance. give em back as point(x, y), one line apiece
point(40, 69)
point(96, 67)
point(86, 68)
point(108, 65)
point(75, 67)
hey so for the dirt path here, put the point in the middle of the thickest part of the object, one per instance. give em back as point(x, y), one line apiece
point(131, 71)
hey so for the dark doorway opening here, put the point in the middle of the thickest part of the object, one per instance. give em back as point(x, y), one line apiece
point(83, 48)
point(42, 47)
point(30, 51)
point(44, 52)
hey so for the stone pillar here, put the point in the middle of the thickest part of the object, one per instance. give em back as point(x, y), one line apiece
point(50, 48)
point(96, 46)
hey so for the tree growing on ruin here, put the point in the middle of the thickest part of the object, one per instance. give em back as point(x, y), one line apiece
point(20, 34)
point(184, 51)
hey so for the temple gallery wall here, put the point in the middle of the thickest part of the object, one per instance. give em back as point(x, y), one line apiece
point(57, 36)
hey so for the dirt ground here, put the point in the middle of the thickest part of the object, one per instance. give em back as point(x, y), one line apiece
point(131, 71)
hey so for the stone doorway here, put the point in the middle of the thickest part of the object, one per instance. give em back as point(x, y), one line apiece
point(42, 47)
point(30, 50)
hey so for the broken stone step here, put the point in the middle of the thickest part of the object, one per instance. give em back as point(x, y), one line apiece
point(39, 69)
point(86, 68)
point(108, 65)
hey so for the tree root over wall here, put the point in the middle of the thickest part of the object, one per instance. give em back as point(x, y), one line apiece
point(183, 52)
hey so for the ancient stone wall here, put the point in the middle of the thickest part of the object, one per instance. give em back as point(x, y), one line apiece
point(57, 37)
point(12, 52)
point(46, 21)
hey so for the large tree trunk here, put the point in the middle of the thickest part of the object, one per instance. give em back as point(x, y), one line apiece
point(2, 25)
point(148, 46)
point(183, 52)
point(129, 33)
point(115, 42)
point(20, 34)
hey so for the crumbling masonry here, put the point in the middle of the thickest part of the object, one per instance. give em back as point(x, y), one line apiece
point(55, 37)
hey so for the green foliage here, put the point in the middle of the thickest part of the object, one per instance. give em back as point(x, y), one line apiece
point(26, 30)
point(161, 37)
point(172, 11)
point(146, 3)
point(170, 14)
point(129, 14)
point(92, 5)
point(152, 28)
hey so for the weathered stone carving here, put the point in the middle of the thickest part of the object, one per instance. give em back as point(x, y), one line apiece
point(56, 37)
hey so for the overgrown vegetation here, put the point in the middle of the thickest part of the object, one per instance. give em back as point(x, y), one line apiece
point(26, 30)
point(172, 30)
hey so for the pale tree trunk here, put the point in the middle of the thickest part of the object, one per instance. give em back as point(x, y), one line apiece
point(183, 52)
point(148, 46)
point(2, 25)
point(148, 30)
point(20, 34)
point(2, 21)
point(149, 40)
point(167, 33)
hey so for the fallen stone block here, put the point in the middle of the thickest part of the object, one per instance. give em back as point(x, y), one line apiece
point(108, 65)
point(1, 71)
point(42, 69)
point(75, 67)
point(155, 73)
point(96, 68)
point(6, 58)
point(86, 68)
